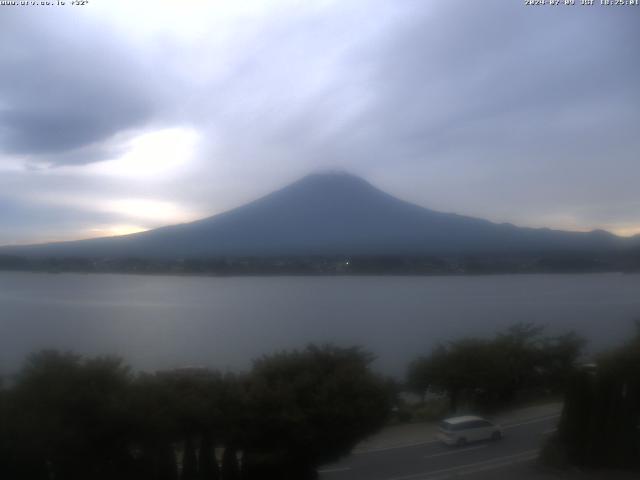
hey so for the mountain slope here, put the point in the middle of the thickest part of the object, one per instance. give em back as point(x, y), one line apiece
point(325, 214)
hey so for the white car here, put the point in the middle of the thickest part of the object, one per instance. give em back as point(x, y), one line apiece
point(462, 430)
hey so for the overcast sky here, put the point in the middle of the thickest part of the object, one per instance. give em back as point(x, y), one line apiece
point(122, 116)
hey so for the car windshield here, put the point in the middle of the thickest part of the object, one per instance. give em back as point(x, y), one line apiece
point(446, 426)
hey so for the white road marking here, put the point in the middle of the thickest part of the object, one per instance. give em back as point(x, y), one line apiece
point(549, 432)
point(472, 467)
point(458, 450)
point(335, 470)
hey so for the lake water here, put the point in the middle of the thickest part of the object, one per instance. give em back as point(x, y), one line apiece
point(171, 321)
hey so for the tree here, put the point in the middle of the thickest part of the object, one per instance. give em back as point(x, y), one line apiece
point(207, 465)
point(600, 423)
point(557, 360)
point(230, 469)
point(156, 429)
point(493, 372)
point(72, 418)
point(420, 377)
point(69, 417)
point(189, 410)
point(310, 407)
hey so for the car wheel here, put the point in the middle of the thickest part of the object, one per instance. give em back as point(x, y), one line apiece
point(495, 436)
point(461, 442)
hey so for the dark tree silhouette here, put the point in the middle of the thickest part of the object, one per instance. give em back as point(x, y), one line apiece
point(189, 460)
point(312, 406)
point(600, 424)
point(71, 418)
point(207, 464)
point(493, 372)
point(230, 469)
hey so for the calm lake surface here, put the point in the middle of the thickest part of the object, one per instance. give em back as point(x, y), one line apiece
point(159, 322)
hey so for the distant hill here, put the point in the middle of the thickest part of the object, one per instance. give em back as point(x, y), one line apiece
point(332, 214)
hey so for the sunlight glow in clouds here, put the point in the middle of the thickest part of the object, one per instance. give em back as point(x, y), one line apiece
point(153, 211)
point(136, 214)
point(153, 155)
point(113, 230)
point(624, 230)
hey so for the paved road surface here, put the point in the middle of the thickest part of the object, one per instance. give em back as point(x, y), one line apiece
point(434, 461)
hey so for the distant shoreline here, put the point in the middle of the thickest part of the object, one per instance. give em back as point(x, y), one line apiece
point(330, 266)
point(311, 275)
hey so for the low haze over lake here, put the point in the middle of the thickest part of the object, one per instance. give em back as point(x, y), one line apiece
point(168, 321)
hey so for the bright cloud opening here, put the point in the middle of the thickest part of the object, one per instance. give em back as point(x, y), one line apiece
point(113, 230)
point(153, 211)
point(153, 155)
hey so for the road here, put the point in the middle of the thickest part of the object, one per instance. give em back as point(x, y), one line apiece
point(434, 461)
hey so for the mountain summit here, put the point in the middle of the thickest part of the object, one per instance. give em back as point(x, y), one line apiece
point(330, 214)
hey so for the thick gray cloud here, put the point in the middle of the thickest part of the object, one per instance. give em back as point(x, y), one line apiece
point(491, 108)
point(67, 83)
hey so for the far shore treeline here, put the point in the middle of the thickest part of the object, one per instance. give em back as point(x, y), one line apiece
point(560, 262)
point(68, 417)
